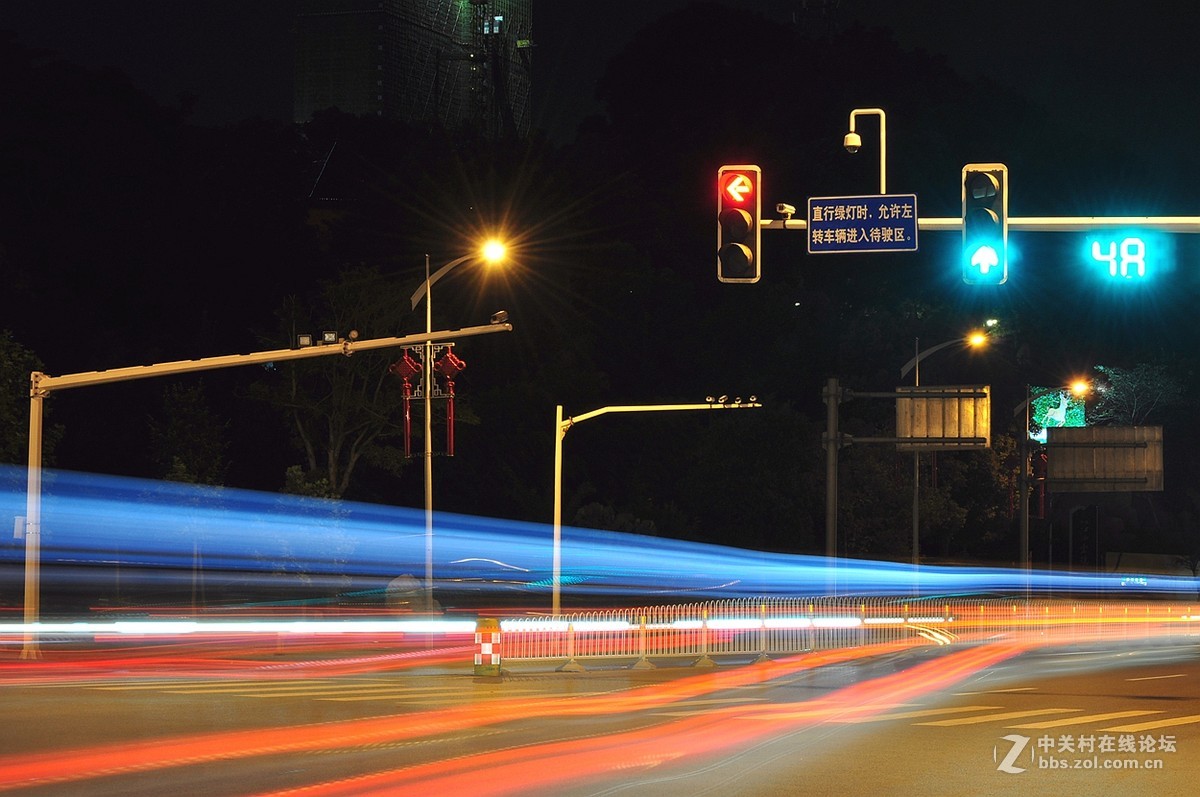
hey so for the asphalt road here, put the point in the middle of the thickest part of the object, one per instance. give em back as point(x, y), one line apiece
point(926, 721)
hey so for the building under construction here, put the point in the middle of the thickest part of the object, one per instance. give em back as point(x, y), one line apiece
point(439, 63)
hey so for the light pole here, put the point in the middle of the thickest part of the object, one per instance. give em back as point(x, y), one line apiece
point(1079, 387)
point(491, 252)
point(853, 141)
point(974, 340)
point(561, 426)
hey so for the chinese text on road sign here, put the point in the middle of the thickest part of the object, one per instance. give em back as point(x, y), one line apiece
point(875, 223)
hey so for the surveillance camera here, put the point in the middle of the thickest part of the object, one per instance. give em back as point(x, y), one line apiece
point(499, 317)
point(852, 142)
point(785, 210)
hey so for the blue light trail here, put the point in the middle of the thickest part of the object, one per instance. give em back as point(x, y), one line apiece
point(253, 548)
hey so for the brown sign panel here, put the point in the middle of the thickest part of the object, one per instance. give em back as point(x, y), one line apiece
point(1104, 459)
point(944, 417)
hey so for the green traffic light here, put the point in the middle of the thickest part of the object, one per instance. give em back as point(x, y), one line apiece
point(984, 265)
point(985, 223)
point(985, 259)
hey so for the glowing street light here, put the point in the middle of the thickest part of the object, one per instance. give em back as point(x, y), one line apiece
point(492, 251)
point(975, 339)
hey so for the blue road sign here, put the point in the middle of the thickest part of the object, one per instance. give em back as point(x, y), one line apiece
point(874, 223)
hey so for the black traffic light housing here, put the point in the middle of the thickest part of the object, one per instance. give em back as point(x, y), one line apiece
point(739, 208)
point(985, 223)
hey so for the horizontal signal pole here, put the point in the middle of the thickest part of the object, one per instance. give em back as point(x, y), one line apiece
point(42, 385)
point(1182, 224)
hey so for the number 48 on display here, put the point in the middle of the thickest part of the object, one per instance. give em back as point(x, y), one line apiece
point(1133, 256)
point(1128, 259)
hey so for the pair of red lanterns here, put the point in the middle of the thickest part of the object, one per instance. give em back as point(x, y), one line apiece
point(448, 366)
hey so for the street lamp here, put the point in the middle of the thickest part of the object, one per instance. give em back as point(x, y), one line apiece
point(853, 141)
point(1080, 388)
point(493, 251)
point(973, 340)
point(562, 425)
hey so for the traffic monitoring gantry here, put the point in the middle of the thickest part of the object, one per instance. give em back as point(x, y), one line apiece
point(42, 385)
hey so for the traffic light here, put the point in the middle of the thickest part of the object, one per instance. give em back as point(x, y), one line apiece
point(985, 223)
point(739, 205)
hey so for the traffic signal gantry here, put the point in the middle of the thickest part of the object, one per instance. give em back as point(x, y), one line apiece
point(739, 212)
point(1123, 247)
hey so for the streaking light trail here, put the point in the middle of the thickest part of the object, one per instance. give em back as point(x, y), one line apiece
point(144, 543)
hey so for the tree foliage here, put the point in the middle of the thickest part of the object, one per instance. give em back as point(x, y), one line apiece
point(16, 364)
point(188, 440)
point(343, 411)
point(1133, 396)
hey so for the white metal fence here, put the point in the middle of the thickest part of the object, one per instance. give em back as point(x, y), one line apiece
point(764, 628)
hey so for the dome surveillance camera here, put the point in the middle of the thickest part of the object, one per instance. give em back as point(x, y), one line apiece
point(852, 142)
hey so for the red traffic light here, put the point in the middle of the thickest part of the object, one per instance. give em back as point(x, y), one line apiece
point(739, 207)
point(738, 188)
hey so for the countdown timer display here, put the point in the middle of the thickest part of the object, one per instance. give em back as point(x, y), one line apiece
point(1129, 255)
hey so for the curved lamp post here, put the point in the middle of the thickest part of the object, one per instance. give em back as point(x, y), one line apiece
point(973, 340)
point(491, 252)
point(562, 425)
point(853, 140)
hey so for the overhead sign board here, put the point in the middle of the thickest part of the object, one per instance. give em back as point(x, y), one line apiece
point(944, 418)
point(874, 223)
point(1104, 459)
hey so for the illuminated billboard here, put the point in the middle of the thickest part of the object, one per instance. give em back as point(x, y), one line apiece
point(1054, 407)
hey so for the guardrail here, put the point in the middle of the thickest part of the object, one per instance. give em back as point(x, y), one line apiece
point(763, 628)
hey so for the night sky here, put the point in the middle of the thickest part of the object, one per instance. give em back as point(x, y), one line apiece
point(1124, 69)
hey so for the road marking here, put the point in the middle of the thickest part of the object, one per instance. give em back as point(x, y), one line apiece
point(822, 711)
point(715, 701)
point(925, 712)
point(100, 684)
point(197, 686)
point(998, 691)
point(275, 689)
point(408, 697)
point(374, 689)
point(370, 692)
point(1158, 677)
point(1163, 723)
point(1084, 719)
point(1007, 715)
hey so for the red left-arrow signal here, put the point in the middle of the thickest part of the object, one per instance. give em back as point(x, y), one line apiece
point(738, 187)
point(739, 210)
